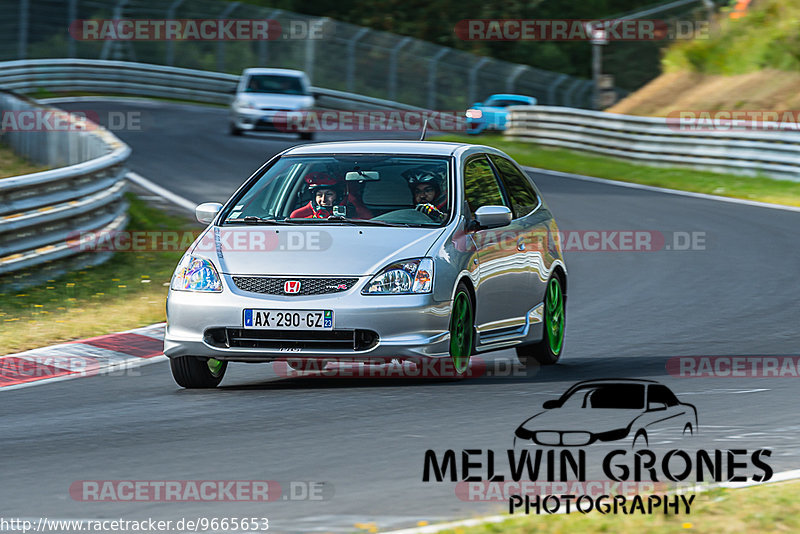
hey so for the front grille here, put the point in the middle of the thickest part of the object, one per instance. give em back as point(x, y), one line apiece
point(355, 340)
point(568, 438)
point(268, 285)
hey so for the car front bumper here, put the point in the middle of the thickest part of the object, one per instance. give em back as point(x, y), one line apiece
point(249, 119)
point(406, 326)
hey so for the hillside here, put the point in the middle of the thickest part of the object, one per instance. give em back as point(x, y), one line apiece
point(749, 63)
point(686, 90)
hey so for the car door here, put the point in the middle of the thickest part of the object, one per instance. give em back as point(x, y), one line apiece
point(667, 416)
point(500, 310)
point(530, 226)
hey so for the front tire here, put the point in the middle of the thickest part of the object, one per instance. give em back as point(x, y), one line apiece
point(192, 372)
point(462, 321)
point(306, 136)
point(548, 350)
point(235, 131)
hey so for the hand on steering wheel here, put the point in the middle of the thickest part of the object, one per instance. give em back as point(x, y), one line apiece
point(431, 211)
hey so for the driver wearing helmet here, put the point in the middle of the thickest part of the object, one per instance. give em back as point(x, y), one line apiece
point(328, 198)
point(427, 192)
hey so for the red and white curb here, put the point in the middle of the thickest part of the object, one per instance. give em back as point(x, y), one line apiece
point(86, 357)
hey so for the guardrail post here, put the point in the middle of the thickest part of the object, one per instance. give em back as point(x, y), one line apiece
point(568, 93)
point(393, 66)
point(511, 80)
point(221, 44)
point(72, 15)
point(432, 71)
point(170, 59)
point(351, 58)
point(109, 46)
point(591, 103)
point(263, 44)
point(551, 91)
point(22, 42)
point(473, 79)
point(311, 46)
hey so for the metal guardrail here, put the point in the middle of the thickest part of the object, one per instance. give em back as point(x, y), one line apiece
point(143, 79)
point(655, 141)
point(42, 213)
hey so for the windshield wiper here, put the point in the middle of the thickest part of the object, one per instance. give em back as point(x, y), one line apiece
point(353, 222)
point(252, 219)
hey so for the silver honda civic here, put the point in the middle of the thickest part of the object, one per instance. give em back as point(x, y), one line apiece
point(370, 252)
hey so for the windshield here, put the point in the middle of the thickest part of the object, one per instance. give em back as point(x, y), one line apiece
point(358, 189)
point(275, 84)
point(619, 396)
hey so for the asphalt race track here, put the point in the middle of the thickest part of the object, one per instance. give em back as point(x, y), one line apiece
point(628, 313)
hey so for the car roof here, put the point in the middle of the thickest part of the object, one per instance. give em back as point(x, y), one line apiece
point(284, 72)
point(510, 96)
point(418, 148)
point(600, 381)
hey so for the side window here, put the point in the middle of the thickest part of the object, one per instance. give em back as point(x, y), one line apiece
point(662, 394)
point(522, 195)
point(480, 184)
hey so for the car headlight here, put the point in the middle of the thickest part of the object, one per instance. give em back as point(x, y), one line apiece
point(474, 114)
point(195, 274)
point(403, 278)
point(244, 103)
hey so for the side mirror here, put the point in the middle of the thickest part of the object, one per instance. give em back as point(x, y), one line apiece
point(656, 406)
point(207, 212)
point(493, 216)
point(549, 405)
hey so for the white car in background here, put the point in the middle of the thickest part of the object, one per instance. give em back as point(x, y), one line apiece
point(264, 96)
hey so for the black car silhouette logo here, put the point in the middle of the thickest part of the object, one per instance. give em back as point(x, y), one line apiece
point(609, 410)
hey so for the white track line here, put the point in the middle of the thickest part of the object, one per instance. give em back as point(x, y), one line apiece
point(665, 190)
point(156, 189)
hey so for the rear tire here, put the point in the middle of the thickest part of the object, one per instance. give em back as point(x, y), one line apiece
point(549, 349)
point(192, 372)
point(306, 136)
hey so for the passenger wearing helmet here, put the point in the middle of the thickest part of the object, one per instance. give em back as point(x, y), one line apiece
point(427, 192)
point(328, 198)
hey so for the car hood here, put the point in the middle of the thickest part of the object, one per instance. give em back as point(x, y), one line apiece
point(276, 101)
point(594, 420)
point(312, 250)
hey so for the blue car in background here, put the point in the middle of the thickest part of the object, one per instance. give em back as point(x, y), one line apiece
point(491, 114)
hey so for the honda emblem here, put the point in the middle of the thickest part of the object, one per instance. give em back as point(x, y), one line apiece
point(291, 286)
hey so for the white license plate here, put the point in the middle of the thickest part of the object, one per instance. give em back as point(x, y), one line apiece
point(288, 319)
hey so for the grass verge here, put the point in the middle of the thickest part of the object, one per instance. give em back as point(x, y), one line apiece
point(751, 188)
point(127, 291)
point(13, 165)
point(768, 508)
